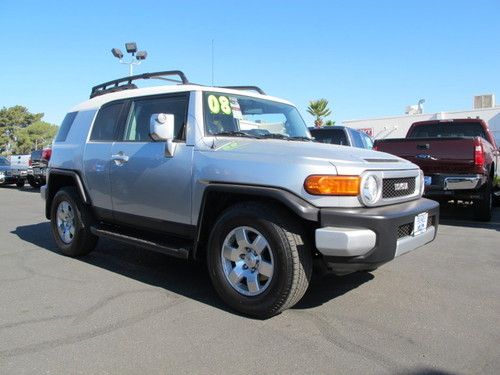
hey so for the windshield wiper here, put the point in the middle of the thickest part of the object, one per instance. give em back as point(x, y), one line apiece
point(302, 138)
point(235, 134)
point(276, 136)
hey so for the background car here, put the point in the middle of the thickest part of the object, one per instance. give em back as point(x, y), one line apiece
point(342, 135)
point(9, 174)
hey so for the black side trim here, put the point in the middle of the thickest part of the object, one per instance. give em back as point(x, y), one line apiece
point(154, 225)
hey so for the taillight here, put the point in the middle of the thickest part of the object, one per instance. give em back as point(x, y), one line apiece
point(46, 153)
point(478, 154)
point(30, 162)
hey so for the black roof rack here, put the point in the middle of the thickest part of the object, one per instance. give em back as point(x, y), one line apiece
point(250, 88)
point(113, 86)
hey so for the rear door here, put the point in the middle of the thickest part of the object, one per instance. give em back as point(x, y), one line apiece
point(150, 188)
point(97, 155)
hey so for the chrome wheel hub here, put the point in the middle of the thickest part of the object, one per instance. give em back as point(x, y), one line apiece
point(65, 222)
point(247, 261)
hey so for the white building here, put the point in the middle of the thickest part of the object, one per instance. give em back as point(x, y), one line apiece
point(397, 126)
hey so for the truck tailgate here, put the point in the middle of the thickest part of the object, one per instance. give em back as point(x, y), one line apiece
point(455, 155)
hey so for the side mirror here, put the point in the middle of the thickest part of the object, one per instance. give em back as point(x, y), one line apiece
point(161, 126)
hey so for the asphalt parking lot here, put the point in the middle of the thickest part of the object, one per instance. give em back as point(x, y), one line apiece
point(125, 310)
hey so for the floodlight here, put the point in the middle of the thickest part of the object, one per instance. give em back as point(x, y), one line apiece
point(117, 53)
point(131, 47)
point(141, 55)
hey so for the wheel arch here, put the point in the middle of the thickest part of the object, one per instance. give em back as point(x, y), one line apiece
point(59, 178)
point(217, 197)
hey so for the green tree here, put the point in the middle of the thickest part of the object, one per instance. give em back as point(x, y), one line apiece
point(35, 136)
point(18, 116)
point(22, 131)
point(329, 123)
point(319, 109)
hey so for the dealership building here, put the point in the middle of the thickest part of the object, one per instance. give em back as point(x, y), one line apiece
point(397, 126)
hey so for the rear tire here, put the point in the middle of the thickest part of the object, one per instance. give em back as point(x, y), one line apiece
point(70, 223)
point(483, 207)
point(34, 183)
point(20, 183)
point(258, 259)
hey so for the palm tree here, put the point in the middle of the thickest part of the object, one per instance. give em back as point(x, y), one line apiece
point(319, 109)
point(329, 123)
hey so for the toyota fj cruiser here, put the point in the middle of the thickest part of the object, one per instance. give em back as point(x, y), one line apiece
point(232, 177)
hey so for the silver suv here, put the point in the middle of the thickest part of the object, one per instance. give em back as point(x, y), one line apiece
point(230, 176)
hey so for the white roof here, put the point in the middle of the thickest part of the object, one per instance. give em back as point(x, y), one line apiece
point(100, 100)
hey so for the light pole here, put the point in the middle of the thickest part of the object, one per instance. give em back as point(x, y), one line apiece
point(137, 57)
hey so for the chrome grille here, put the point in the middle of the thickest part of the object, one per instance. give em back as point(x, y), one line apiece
point(398, 187)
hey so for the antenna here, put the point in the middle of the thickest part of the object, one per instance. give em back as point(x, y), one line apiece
point(212, 62)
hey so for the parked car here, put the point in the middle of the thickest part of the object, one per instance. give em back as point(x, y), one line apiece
point(342, 135)
point(8, 174)
point(38, 167)
point(19, 167)
point(232, 177)
point(459, 157)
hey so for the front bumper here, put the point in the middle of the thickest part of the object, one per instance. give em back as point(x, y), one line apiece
point(365, 238)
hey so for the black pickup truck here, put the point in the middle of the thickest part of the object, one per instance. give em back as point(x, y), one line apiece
point(38, 167)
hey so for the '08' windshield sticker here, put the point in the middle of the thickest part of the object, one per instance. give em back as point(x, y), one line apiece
point(219, 104)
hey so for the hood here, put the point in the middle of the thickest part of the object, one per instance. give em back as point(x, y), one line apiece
point(339, 156)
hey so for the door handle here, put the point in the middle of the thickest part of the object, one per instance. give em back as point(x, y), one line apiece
point(119, 158)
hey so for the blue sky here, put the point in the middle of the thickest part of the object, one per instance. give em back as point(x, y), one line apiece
point(368, 58)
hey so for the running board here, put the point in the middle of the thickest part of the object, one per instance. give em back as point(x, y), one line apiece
point(174, 248)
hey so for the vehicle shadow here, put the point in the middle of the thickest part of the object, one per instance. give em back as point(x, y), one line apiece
point(462, 215)
point(188, 279)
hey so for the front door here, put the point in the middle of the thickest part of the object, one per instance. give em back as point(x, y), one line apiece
point(149, 188)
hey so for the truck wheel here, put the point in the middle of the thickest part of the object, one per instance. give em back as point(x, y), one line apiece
point(258, 259)
point(34, 183)
point(70, 223)
point(484, 206)
point(20, 183)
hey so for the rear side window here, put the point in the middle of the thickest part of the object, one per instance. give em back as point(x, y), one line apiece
point(65, 126)
point(333, 136)
point(105, 123)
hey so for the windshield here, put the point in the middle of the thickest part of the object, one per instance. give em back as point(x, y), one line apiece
point(238, 115)
point(4, 161)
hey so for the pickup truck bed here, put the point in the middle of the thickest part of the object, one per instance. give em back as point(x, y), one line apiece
point(459, 159)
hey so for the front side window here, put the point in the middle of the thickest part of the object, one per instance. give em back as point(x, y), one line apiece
point(106, 122)
point(239, 115)
point(4, 162)
point(138, 124)
point(367, 141)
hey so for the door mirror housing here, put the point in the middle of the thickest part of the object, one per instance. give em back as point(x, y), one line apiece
point(161, 126)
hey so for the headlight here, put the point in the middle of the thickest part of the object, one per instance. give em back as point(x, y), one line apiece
point(370, 190)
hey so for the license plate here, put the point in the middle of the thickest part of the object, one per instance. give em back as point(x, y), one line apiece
point(36, 170)
point(420, 223)
point(427, 180)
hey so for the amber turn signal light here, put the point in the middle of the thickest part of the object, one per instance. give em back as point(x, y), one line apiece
point(332, 185)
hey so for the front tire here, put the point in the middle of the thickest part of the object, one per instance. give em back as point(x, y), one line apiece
point(20, 183)
point(70, 223)
point(258, 259)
